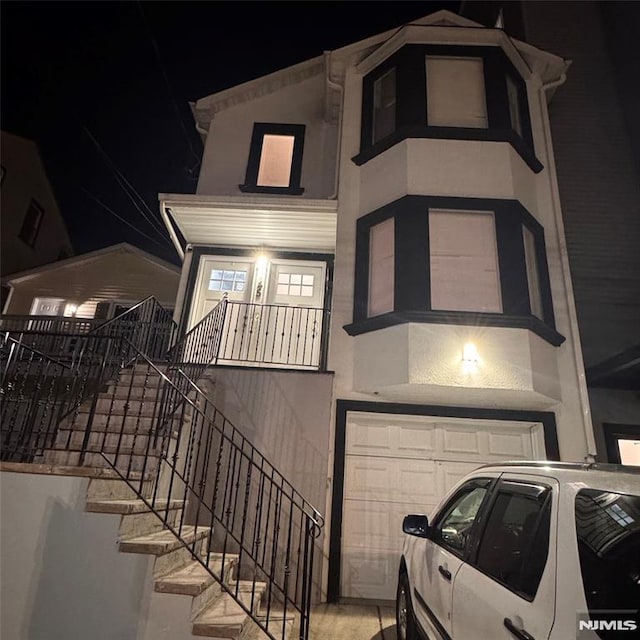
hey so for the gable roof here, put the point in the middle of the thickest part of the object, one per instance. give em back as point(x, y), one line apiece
point(549, 65)
point(122, 247)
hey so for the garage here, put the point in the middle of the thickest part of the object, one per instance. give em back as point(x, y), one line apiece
point(399, 464)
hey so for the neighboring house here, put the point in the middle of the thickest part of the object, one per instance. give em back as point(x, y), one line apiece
point(33, 230)
point(387, 215)
point(599, 188)
point(97, 285)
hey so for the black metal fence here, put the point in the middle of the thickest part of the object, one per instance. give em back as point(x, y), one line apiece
point(274, 335)
point(111, 405)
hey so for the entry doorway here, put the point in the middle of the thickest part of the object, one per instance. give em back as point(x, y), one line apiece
point(274, 315)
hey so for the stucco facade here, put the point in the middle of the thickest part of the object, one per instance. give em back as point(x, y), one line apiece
point(406, 409)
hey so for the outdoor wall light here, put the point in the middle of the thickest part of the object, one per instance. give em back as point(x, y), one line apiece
point(70, 310)
point(470, 358)
point(470, 353)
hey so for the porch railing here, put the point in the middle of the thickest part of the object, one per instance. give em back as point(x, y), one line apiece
point(152, 424)
point(51, 324)
point(275, 335)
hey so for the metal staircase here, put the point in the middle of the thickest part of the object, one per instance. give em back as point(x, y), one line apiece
point(125, 397)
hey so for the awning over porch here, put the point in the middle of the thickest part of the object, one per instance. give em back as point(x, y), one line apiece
point(244, 221)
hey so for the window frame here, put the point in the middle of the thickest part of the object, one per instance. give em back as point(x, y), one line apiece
point(31, 238)
point(411, 102)
point(412, 291)
point(260, 130)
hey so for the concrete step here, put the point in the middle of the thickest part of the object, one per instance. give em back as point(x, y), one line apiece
point(137, 519)
point(101, 489)
point(224, 618)
point(129, 507)
point(126, 463)
point(111, 442)
point(163, 542)
point(193, 579)
point(108, 422)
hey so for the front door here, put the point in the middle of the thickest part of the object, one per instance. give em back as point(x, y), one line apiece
point(274, 312)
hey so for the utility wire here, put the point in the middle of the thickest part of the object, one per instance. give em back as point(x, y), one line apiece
point(112, 212)
point(127, 186)
point(156, 50)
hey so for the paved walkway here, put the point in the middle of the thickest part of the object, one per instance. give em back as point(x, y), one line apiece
point(352, 622)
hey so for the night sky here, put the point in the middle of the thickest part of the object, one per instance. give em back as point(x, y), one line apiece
point(103, 88)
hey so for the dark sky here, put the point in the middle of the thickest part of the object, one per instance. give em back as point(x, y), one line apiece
point(103, 88)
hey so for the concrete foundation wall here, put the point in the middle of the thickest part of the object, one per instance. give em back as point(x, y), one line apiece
point(62, 574)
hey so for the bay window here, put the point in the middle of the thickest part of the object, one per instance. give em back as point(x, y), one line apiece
point(471, 261)
point(445, 91)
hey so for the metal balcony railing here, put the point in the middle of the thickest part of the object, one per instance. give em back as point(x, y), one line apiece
point(274, 335)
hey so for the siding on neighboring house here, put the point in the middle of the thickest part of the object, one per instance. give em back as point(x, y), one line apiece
point(119, 275)
point(25, 180)
point(598, 180)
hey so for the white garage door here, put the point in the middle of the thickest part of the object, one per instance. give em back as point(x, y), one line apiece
point(399, 464)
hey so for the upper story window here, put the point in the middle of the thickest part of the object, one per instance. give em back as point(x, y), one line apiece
point(464, 261)
point(275, 159)
point(31, 223)
point(455, 92)
point(384, 105)
point(445, 91)
point(381, 267)
point(452, 261)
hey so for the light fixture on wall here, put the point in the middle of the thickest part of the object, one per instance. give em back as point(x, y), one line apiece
point(70, 310)
point(470, 357)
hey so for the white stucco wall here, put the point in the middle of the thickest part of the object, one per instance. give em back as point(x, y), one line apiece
point(228, 142)
point(62, 574)
point(554, 375)
point(285, 415)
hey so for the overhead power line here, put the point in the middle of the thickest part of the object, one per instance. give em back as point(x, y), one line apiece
point(113, 213)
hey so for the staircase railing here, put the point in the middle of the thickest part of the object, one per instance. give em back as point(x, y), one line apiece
point(154, 426)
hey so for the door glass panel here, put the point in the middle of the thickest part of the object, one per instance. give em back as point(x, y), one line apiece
point(515, 543)
point(454, 528)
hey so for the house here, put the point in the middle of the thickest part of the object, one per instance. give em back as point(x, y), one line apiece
point(33, 230)
point(405, 186)
point(98, 285)
point(375, 265)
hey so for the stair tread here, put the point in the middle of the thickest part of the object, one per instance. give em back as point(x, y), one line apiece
point(162, 542)
point(126, 507)
point(224, 617)
point(193, 579)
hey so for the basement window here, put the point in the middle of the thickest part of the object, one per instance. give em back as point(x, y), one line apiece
point(275, 159)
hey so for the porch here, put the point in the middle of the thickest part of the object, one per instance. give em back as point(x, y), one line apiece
point(253, 335)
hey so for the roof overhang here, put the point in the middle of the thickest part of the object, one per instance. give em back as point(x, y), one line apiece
point(252, 221)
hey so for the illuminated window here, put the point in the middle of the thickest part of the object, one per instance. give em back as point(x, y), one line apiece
point(513, 97)
point(275, 159)
point(295, 284)
point(227, 280)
